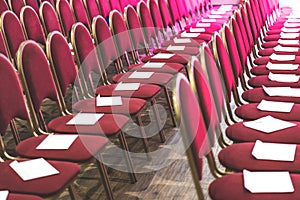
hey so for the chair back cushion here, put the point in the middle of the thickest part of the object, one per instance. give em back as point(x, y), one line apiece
point(49, 18)
point(66, 17)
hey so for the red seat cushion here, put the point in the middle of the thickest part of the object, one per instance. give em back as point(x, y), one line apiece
point(172, 68)
point(12, 196)
point(232, 187)
point(145, 91)
point(259, 81)
point(177, 58)
point(156, 78)
point(273, 44)
point(264, 60)
point(239, 133)
point(270, 51)
point(262, 70)
point(187, 50)
point(130, 106)
point(83, 148)
point(237, 157)
point(193, 43)
point(250, 112)
point(45, 186)
point(108, 125)
point(255, 95)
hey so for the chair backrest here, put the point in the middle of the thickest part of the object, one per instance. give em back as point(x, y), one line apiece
point(155, 13)
point(16, 6)
point(61, 61)
point(92, 9)
point(124, 3)
point(115, 5)
point(12, 104)
point(173, 9)
point(85, 52)
point(33, 3)
point(165, 13)
point(3, 48)
point(184, 8)
point(65, 16)
point(80, 13)
point(32, 25)
point(12, 32)
point(50, 1)
point(35, 73)
point(251, 18)
point(104, 8)
point(245, 29)
point(49, 18)
point(3, 6)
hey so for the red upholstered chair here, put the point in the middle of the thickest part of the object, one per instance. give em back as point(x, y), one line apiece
point(3, 6)
point(39, 85)
point(65, 16)
point(16, 6)
point(197, 146)
point(104, 8)
point(13, 106)
point(13, 196)
point(80, 13)
point(12, 32)
point(124, 3)
point(33, 3)
point(32, 25)
point(115, 5)
point(49, 18)
point(92, 9)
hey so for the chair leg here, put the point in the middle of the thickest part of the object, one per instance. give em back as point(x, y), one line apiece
point(72, 192)
point(158, 120)
point(104, 177)
point(170, 106)
point(143, 133)
point(127, 158)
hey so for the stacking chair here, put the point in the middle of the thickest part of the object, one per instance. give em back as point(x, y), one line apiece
point(66, 17)
point(3, 6)
point(32, 25)
point(80, 13)
point(33, 3)
point(49, 18)
point(16, 6)
point(92, 9)
point(13, 106)
point(38, 85)
point(104, 8)
point(12, 32)
point(194, 137)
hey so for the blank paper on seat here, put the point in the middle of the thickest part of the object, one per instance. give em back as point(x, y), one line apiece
point(175, 48)
point(286, 49)
point(203, 25)
point(289, 35)
point(214, 16)
point(127, 86)
point(291, 25)
point(282, 91)
point(85, 119)
point(163, 55)
point(208, 20)
point(275, 106)
point(218, 12)
point(274, 151)
point(141, 75)
point(57, 141)
point(155, 65)
point(268, 124)
point(282, 57)
point(33, 169)
point(4, 194)
point(290, 30)
point(268, 182)
point(272, 66)
point(181, 40)
point(284, 78)
point(189, 35)
point(108, 101)
point(288, 42)
point(197, 30)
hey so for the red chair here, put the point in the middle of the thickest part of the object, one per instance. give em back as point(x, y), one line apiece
point(12, 33)
point(3, 6)
point(3, 48)
point(65, 16)
point(32, 25)
point(115, 5)
point(38, 84)
point(92, 9)
point(80, 13)
point(49, 18)
point(33, 3)
point(124, 3)
point(16, 6)
point(104, 8)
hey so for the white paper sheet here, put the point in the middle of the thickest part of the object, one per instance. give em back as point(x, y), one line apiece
point(33, 169)
point(225, 7)
point(218, 12)
point(289, 35)
point(292, 19)
point(4, 194)
point(291, 25)
point(275, 106)
point(181, 40)
point(163, 55)
point(288, 42)
point(197, 30)
point(272, 66)
point(175, 48)
point(268, 124)
point(203, 25)
point(57, 141)
point(208, 20)
point(127, 86)
point(283, 78)
point(268, 182)
point(154, 65)
point(290, 30)
point(85, 119)
point(214, 16)
point(282, 91)
point(274, 151)
point(283, 57)
point(286, 49)
point(189, 35)
point(141, 75)
point(109, 101)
